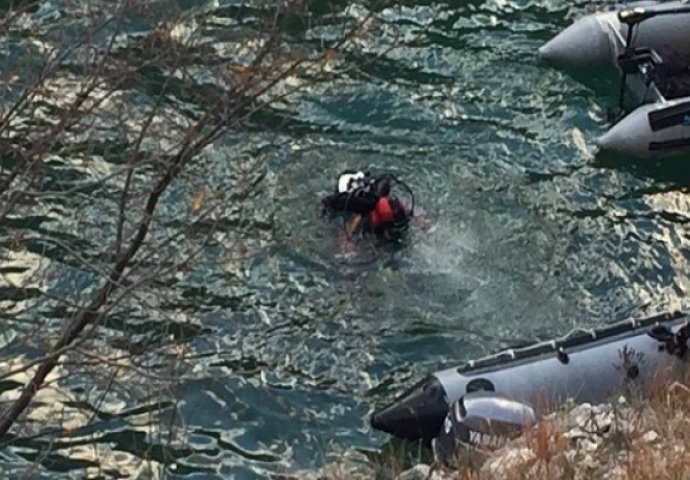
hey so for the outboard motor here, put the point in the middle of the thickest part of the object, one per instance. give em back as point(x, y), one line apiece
point(481, 418)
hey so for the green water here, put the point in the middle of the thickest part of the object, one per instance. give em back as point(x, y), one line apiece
point(291, 346)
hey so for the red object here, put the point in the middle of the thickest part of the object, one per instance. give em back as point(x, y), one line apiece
point(382, 213)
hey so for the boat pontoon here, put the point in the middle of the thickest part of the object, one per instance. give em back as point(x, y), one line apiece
point(586, 366)
point(649, 43)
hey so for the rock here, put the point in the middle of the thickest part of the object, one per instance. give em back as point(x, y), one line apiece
point(588, 444)
point(650, 437)
point(570, 455)
point(588, 418)
point(575, 433)
point(589, 462)
point(603, 419)
point(443, 475)
point(616, 473)
point(505, 466)
point(580, 416)
point(418, 472)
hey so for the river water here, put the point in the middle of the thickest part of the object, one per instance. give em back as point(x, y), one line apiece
point(528, 233)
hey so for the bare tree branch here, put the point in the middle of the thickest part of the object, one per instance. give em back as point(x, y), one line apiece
point(158, 144)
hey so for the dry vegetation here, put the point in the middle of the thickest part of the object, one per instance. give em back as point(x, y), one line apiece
point(639, 437)
point(631, 438)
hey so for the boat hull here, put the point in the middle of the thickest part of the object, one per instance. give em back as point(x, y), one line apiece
point(662, 78)
point(594, 40)
point(652, 129)
point(627, 357)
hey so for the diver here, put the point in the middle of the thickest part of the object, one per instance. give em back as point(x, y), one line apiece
point(369, 205)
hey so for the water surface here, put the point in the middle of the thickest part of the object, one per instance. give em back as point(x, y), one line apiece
point(290, 345)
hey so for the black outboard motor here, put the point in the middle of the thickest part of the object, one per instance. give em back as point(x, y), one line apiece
point(667, 67)
point(481, 418)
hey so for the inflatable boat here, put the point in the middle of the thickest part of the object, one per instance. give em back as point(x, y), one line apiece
point(649, 43)
point(585, 366)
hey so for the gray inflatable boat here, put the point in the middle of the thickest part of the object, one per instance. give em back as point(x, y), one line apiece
point(649, 44)
point(585, 366)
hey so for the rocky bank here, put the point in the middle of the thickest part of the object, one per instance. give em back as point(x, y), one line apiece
point(622, 440)
point(616, 441)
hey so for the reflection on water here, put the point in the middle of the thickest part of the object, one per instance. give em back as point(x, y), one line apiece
point(276, 348)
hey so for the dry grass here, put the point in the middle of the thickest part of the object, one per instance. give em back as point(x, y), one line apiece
point(395, 457)
point(645, 437)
